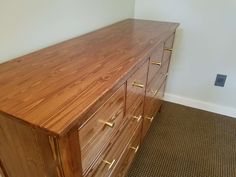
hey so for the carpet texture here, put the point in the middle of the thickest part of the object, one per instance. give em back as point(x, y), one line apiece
point(186, 142)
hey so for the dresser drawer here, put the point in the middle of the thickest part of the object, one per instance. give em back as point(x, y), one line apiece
point(135, 113)
point(155, 61)
point(136, 86)
point(168, 48)
point(109, 159)
point(155, 84)
point(128, 155)
point(152, 106)
point(102, 126)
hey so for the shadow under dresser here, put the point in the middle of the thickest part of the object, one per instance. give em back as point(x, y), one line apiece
point(81, 108)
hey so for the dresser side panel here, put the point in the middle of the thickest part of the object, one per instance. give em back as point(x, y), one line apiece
point(24, 151)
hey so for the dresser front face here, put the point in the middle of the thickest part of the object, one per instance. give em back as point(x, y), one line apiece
point(157, 76)
point(110, 138)
point(114, 129)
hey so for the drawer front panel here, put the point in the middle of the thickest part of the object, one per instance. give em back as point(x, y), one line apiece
point(136, 113)
point(168, 48)
point(95, 134)
point(108, 161)
point(156, 82)
point(128, 155)
point(136, 86)
point(152, 106)
point(155, 61)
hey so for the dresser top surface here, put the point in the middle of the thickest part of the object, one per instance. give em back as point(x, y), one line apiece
point(52, 88)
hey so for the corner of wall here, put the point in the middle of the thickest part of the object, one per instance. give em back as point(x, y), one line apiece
point(207, 106)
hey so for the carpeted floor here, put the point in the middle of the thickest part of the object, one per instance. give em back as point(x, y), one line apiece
point(186, 142)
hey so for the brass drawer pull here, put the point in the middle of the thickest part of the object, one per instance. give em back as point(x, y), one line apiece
point(137, 118)
point(109, 163)
point(154, 92)
point(109, 124)
point(136, 84)
point(156, 63)
point(135, 148)
point(167, 49)
point(150, 118)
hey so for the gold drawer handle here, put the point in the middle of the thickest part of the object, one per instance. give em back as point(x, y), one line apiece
point(135, 149)
point(109, 124)
point(154, 92)
point(167, 49)
point(137, 118)
point(109, 163)
point(150, 118)
point(156, 63)
point(136, 84)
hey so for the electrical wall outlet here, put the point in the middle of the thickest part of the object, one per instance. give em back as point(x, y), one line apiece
point(220, 80)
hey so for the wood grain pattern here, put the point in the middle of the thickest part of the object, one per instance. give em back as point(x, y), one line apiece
point(156, 83)
point(24, 152)
point(116, 144)
point(94, 135)
point(53, 102)
point(156, 57)
point(70, 155)
point(158, 79)
point(128, 155)
point(55, 87)
point(135, 94)
point(152, 106)
point(168, 45)
point(116, 149)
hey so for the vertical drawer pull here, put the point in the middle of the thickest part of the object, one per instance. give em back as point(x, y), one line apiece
point(109, 163)
point(168, 49)
point(137, 118)
point(156, 63)
point(150, 118)
point(135, 149)
point(136, 84)
point(109, 124)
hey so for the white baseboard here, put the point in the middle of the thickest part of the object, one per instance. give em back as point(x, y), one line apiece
point(223, 110)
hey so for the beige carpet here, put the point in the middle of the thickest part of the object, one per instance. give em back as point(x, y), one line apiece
point(186, 142)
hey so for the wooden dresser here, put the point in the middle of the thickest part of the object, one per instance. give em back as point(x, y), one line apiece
point(82, 107)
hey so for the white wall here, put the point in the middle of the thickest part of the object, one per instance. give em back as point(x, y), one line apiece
point(27, 25)
point(205, 46)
